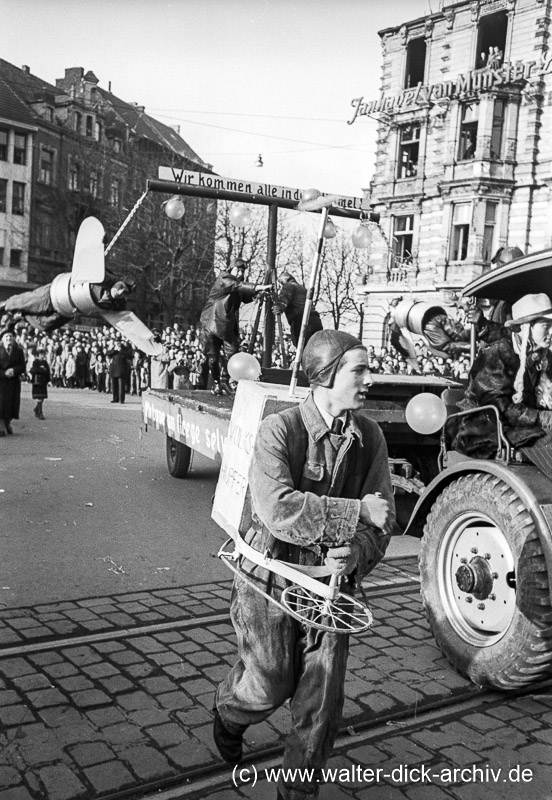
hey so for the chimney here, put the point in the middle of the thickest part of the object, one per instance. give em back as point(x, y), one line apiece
point(26, 69)
point(73, 76)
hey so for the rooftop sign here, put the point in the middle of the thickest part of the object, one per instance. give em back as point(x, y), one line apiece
point(216, 182)
point(478, 80)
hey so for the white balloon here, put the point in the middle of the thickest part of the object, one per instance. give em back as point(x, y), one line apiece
point(244, 367)
point(362, 237)
point(426, 413)
point(310, 194)
point(174, 208)
point(240, 216)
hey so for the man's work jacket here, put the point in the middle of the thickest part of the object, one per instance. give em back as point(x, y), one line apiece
point(306, 485)
point(220, 314)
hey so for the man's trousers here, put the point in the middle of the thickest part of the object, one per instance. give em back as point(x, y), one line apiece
point(281, 659)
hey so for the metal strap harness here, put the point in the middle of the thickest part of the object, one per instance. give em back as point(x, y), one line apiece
point(308, 575)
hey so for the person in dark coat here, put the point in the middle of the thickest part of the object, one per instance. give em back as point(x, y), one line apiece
point(12, 366)
point(40, 376)
point(219, 322)
point(119, 370)
point(81, 358)
point(510, 374)
point(291, 300)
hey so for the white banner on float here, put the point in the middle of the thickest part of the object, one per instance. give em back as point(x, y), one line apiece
point(208, 181)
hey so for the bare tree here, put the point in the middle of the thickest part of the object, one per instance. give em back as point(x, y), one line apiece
point(341, 271)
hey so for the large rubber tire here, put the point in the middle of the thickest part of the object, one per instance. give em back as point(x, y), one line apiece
point(179, 457)
point(480, 542)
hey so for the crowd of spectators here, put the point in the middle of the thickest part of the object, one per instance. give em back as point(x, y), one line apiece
point(81, 358)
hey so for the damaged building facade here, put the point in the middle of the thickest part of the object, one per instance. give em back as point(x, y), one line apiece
point(464, 149)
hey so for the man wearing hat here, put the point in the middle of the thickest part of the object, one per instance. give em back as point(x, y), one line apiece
point(219, 321)
point(320, 485)
point(514, 375)
point(291, 300)
point(12, 366)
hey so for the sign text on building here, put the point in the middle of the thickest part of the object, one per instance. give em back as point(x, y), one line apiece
point(478, 80)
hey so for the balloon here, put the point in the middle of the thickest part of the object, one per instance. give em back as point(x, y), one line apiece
point(244, 367)
point(174, 208)
point(329, 230)
point(310, 194)
point(426, 413)
point(362, 237)
point(240, 216)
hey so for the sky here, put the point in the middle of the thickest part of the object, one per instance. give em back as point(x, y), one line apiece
point(242, 78)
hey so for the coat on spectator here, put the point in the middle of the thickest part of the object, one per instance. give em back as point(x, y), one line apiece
point(10, 387)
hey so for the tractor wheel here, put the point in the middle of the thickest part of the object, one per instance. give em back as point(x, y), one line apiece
point(179, 458)
point(485, 584)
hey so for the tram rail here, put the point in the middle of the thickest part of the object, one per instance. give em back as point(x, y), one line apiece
point(398, 589)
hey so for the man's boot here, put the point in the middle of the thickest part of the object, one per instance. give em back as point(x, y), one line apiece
point(229, 743)
point(226, 387)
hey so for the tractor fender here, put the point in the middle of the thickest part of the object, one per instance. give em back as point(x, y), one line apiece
point(532, 487)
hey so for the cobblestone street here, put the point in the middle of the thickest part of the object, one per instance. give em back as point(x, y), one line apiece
point(112, 694)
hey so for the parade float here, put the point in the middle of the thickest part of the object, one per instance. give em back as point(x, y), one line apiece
point(485, 525)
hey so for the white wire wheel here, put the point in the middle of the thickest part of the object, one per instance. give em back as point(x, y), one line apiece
point(343, 614)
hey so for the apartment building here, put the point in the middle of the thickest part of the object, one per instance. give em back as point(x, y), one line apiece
point(74, 150)
point(464, 150)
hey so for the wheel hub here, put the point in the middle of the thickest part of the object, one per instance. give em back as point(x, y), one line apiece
point(475, 578)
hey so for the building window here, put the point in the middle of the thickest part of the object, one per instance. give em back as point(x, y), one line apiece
point(2, 251)
point(467, 142)
point(491, 40)
point(43, 233)
point(3, 195)
point(409, 145)
point(497, 129)
point(20, 149)
point(74, 177)
point(117, 145)
point(15, 259)
point(114, 193)
point(94, 183)
point(18, 198)
point(98, 131)
point(415, 62)
point(89, 125)
point(403, 233)
point(489, 233)
point(3, 144)
point(49, 114)
point(46, 167)
point(78, 122)
point(460, 231)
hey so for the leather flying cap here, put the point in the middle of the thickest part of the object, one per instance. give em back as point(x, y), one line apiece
point(322, 355)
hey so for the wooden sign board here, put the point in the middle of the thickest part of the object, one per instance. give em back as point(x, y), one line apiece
point(253, 402)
